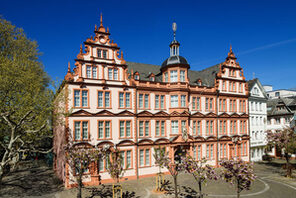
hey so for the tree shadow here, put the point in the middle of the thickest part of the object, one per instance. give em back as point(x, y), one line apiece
point(106, 191)
point(36, 181)
point(188, 192)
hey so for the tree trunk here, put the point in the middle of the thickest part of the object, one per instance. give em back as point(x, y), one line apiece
point(289, 172)
point(238, 190)
point(176, 186)
point(79, 194)
point(199, 186)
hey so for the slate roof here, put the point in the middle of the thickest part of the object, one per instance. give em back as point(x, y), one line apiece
point(207, 76)
point(281, 106)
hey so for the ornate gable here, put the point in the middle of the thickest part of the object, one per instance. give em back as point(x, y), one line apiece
point(235, 115)
point(125, 113)
point(104, 113)
point(81, 113)
point(211, 115)
point(198, 115)
point(161, 114)
point(145, 114)
point(175, 113)
point(224, 115)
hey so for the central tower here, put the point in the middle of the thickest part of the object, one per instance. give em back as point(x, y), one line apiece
point(175, 68)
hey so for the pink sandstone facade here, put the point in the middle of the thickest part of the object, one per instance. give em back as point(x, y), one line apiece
point(136, 107)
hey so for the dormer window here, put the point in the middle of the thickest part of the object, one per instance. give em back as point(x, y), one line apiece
point(152, 78)
point(174, 75)
point(137, 76)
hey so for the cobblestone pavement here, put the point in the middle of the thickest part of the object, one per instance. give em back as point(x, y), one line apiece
point(269, 184)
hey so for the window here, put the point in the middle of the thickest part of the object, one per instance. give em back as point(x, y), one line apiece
point(211, 104)
point(199, 153)
point(162, 98)
point(166, 77)
point(105, 54)
point(223, 86)
point(124, 100)
point(137, 77)
point(174, 127)
point(104, 99)
point(112, 74)
point(195, 103)
point(99, 53)
point(126, 159)
point(152, 78)
point(182, 76)
point(183, 101)
point(277, 94)
point(207, 104)
point(144, 127)
point(197, 128)
point(144, 157)
point(81, 130)
point(156, 101)
point(80, 98)
point(144, 101)
point(240, 87)
point(174, 75)
point(160, 128)
point(223, 150)
point(210, 151)
point(174, 101)
point(91, 71)
point(88, 71)
point(183, 125)
point(104, 129)
point(125, 129)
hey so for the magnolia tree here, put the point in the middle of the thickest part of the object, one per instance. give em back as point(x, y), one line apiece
point(115, 165)
point(173, 167)
point(285, 140)
point(161, 157)
point(238, 173)
point(200, 171)
point(79, 158)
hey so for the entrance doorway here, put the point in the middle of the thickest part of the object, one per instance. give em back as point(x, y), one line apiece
point(179, 152)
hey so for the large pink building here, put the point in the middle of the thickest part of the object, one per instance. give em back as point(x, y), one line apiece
point(136, 107)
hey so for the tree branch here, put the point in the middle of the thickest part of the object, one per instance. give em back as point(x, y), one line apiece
point(38, 130)
point(24, 118)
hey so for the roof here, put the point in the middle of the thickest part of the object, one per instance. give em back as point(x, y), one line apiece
point(207, 76)
point(172, 60)
point(281, 106)
point(254, 81)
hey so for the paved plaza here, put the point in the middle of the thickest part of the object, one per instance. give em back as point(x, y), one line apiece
point(269, 183)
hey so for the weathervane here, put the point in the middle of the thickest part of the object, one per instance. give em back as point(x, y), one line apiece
point(174, 26)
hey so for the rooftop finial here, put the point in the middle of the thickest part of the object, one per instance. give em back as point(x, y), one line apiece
point(69, 68)
point(174, 26)
point(101, 19)
point(230, 48)
point(81, 49)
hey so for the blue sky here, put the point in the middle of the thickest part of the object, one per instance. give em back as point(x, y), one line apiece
point(262, 32)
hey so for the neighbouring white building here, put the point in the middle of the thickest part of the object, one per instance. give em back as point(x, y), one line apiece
point(257, 119)
point(283, 93)
point(280, 114)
